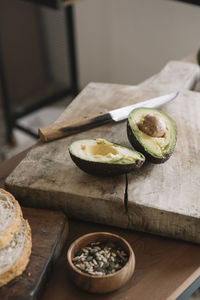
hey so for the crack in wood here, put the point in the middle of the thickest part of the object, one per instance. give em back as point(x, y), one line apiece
point(126, 195)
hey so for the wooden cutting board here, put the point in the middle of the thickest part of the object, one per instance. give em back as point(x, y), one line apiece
point(49, 232)
point(163, 199)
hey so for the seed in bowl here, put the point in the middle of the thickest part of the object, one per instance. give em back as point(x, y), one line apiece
point(100, 258)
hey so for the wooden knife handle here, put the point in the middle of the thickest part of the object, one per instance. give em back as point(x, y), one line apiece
point(61, 129)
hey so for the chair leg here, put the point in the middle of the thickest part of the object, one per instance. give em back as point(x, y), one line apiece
point(71, 44)
point(5, 101)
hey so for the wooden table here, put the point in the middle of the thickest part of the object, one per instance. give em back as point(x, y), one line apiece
point(165, 268)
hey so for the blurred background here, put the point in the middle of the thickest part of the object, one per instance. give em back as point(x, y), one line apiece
point(51, 49)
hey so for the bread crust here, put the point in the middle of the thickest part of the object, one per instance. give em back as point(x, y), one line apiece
point(20, 265)
point(15, 225)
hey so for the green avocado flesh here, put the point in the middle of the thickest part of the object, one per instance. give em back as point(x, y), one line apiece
point(101, 157)
point(157, 149)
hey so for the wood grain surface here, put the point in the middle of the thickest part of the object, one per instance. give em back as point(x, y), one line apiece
point(49, 232)
point(163, 199)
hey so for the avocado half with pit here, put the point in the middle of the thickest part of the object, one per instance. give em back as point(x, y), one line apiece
point(152, 132)
point(103, 158)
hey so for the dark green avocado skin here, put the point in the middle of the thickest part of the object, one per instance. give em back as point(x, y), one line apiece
point(137, 146)
point(105, 169)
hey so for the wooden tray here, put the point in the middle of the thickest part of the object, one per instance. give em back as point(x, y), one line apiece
point(49, 233)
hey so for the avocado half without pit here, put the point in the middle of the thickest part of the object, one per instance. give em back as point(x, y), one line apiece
point(103, 158)
point(152, 132)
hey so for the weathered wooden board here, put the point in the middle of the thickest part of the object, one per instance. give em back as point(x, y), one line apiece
point(49, 232)
point(163, 199)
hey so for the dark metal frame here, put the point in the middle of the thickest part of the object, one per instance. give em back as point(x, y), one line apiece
point(11, 117)
point(49, 3)
point(195, 2)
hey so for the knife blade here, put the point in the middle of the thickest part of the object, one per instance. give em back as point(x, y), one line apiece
point(66, 128)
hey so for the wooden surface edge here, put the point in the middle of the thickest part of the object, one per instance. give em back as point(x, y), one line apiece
point(180, 290)
point(56, 252)
point(9, 165)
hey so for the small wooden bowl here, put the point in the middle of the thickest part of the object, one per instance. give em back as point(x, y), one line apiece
point(102, 283)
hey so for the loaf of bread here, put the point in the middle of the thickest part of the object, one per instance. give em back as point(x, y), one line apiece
point(10, 217)
point(15, 239)
point(15, 256)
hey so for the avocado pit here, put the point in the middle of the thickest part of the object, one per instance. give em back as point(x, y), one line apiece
point(152, 132)
point(152, 125)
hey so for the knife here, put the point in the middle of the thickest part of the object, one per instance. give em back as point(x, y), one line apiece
point(61, 129)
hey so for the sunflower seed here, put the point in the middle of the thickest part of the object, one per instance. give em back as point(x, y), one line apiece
point(100, 258)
